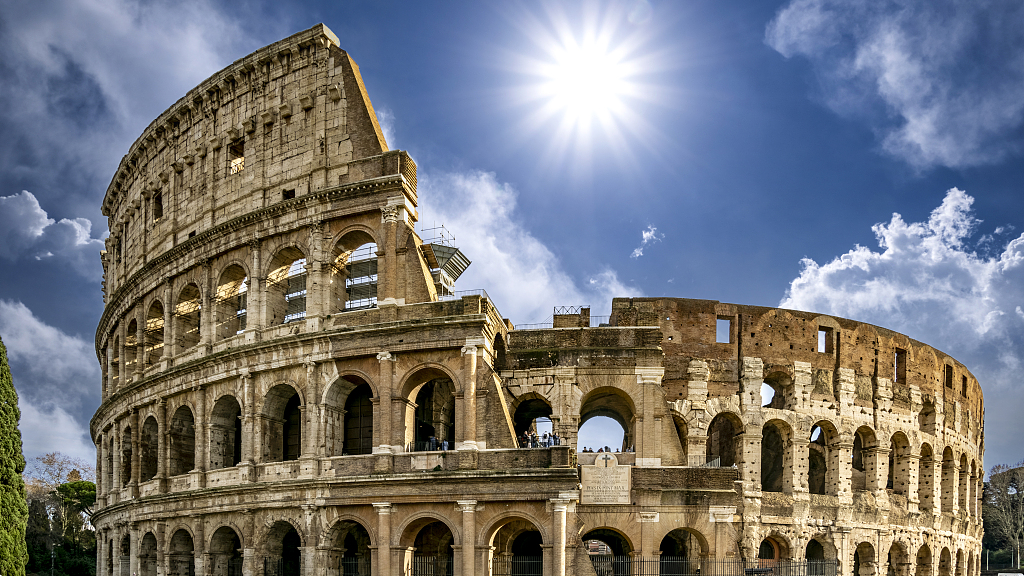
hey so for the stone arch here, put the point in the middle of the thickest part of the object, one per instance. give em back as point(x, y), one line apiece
point(429, 540)
point(923, 563)
point(281, 544)
point(348, 543)
point(958, 566)
point(615, 539)
point(339, 415)
point(410, 526)
point(899, 464)
point(898, 560)
point(285, 286)
point(131, 346)
point(526, 409)
point(722, 442)
point(517, 546)
point(963, 490)
point(864, 559)
point(354, 263)
point(948, 475)
point(149, 447)
point(862, 459)
point(126, 456)
point(225, 552)
point(181, 442)
point(430, 411)
point(153, 334)
point(823, 465)
point(187, 311)
point(682, 432)
point(685, 542)
point(281, 423)
point(231, 300)
point(776, 457)
point(181, 553)
point(487, 531)
point(926, 479)
point(612, 403)
point(147, 555)
point(773, 547)
point(945, 562)
point(820, 547)
point(225, 433)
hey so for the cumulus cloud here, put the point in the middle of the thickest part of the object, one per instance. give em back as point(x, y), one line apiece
point(649, 236)
point(57, 378)
point(929, 280)
point(522, 275)
point(939, 81)
point(26, 231)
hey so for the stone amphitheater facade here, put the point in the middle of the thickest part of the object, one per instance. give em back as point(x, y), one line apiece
point(290, 385)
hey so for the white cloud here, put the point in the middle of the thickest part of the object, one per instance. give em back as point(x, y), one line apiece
point(386, 119)
point(649, 236)
point(52, 429)
point(929, 282)
point(57, 377)
point(522, 275)
point(940, 81)
point(26, 231)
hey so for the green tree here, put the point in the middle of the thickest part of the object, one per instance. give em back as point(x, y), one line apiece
point(1003, 507)
point(13, 506)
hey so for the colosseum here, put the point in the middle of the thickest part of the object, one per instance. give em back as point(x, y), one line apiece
point(292, 385)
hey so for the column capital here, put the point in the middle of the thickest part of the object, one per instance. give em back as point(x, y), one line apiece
point(385, 355)
point(383, 507)
point(559, 504)
point(466, 505)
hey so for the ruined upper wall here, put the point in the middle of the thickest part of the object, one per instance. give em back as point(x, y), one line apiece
point(781, 338)
point(297, 114)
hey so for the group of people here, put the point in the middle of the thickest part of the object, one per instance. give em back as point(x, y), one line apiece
point(533, 440)
point(605, 449)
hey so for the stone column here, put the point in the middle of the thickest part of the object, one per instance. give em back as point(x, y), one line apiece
point(876, 468)
point(169, 348)
point(161, 444)
point(798, 475)
point(206, 314)
point(949, 497)
point(469, 359)
point(140, 346)
point(100, 471)
point(202, 434)
point(383, 564)
point(751, 378)
point(256, 297)
point(386, 437)
point(136, 453)
point(558, 509)
point(134, 547)
point(311, 422)
point(248, 433)
point(199, 544)
point(913, 464)
point(468, 508)
point(749, 453)
point(249, 562)
point(840, 455)
point(108, 373)
point(963, 491)
point(387, 255)
point(160, 530)
point(122, 370)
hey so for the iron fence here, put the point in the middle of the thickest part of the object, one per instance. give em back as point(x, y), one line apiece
point(354, 566)
point(433, 566)
point(608, 565)
point(517, 566)
point(235, 567)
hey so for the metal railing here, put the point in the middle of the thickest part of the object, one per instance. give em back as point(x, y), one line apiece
point(458, 294)
point(595, 322)
point(608, 565)
point(433, 566)
point(349, 566)
point(517, 566)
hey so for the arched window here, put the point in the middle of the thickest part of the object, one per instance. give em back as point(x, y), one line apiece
point(182, 445)
point(126, 456)
point(282, 430)
point(775, 475)
point(359, 421)
point(225, 553)
point(435, 415)
point(131, 347)
point(232, 302)
point(154, 333)
point(149, 444)
point(182, 555)
point(115, 365)
point(351, 549)
point(286, 287)
point(147, 555)
point(225, 433)
point(433, 554)
point(722, 441)
point(354, 272)
point(926, 479)
point(187, 318)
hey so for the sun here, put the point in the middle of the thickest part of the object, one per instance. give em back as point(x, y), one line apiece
point(585, 80)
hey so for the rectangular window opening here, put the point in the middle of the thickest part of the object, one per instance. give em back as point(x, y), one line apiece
point(236, 153)
point(192, 234)
point(826, 340)
point(288, 194)
point(158, 207)
point(723, 330)
point(947, 374)
point(900, 366)
point(963, 386)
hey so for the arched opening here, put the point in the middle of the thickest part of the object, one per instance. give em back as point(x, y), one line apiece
point(182, 453)
point(926, 417)
point(225, 433)
point(528, 414)
point(433, 554)
point(518, 551)
point(862, 460)
point(776, 459)
point(286, 287)
point(609, 551)
point(899, 464)
point(964, 472)
point(818, 561)
point(225, 553)
point(681, 551)
point(131, 347)
point(187, 318)
point(350, 549)
point(598, 433)
point(149, 446)
point(231, 302)
point(822, 460)
point(776, 391)
point(126, 456)
point(110, 558)
point(500, 354)
point(182, 560)
point(770, 551)
point(126, 550)
point(926, 479)
point(154, 334)
point(682, 432)
point(354, 272)
point(924, 561)
point(814, 551)
point(864, 560)
point(945, 563)
point(959, 565)
point(722, 441)
point(147, 555)
point(897, 561)
point(282, 424)
point(435, 415)
point(359, 421)
point(109, 484)
point(115, 365)
point(948, 475)
point(283, 556)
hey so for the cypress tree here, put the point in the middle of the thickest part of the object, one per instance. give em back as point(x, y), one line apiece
point(13, 506)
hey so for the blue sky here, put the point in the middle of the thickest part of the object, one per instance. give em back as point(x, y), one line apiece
point(856, 158)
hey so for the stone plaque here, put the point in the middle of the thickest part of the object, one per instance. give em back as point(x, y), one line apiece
point(605, 482)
